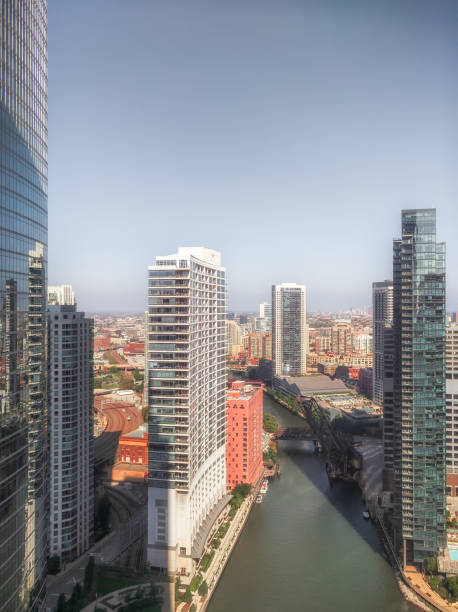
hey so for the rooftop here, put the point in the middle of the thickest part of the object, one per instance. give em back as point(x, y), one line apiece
point(310, 385)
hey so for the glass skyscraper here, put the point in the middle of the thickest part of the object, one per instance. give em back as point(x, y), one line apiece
point(419, 387)
point(23, 240)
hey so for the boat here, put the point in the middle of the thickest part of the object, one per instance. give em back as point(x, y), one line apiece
point(366, 515)
point(259, 498)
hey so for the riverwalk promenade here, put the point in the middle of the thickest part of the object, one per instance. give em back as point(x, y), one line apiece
point(223, 553)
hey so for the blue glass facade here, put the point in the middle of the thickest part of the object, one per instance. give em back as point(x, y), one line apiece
point(23, 240)
point(419, 386)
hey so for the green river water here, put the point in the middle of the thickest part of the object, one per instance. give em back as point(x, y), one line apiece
point(307, 547)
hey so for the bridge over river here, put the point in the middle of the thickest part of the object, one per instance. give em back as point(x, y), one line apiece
point(295, 433)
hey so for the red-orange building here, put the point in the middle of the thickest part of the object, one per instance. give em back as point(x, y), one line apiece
point(243, 433)
point(102, 343)
point(134, 348)
point(133, 447)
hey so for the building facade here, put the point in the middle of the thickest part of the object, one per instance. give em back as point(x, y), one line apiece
point(23, 270)
point(342, 341)
point(244, 462)
point(260, 346)
point(71, 431)
point(382, 313)
point(234, 341)
point(289, 330)
point(419, 387)
point(451, 369)
point(186, 392)
point(61, 294)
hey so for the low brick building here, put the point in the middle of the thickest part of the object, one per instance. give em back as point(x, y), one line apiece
point(133, 447)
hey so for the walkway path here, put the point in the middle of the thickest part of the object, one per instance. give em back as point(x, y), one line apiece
point(417, 582)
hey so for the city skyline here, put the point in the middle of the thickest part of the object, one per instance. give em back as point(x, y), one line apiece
point(316, 128)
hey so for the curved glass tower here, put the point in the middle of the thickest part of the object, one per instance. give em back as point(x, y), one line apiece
point(23, 239)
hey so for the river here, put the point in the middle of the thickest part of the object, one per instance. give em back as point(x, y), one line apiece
point(307, 546)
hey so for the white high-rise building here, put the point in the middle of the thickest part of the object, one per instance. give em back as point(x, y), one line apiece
point(382, 312)
point(70, 339)
point(264, 321)
point(186, 390)
point(61, 294)
point(451, 370)
point(289, 330)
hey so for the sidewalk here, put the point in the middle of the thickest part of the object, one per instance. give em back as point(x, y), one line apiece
point(415, 580)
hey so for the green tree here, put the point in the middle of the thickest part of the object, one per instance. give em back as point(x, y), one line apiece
point(203, 589)
point(195, 582)
point(187, 597)
point(451, 584)
point(61, 603)
point(193, 608)
point(53, 564)
point(88, 575)
point(270, 423)
point(431, 565)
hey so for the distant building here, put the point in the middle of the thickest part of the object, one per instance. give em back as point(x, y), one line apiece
point(365, 382)
point(133, 447)
point(244, 429)
point(134, 348)
point(61, 294)
point(322, 344)
point(260, 346)
point(289, 330)
point(342, 338)
point(71, 414)
point(234, 340)
point(419, 388)
point(362, 343)
point(382, 308)
point(265, 318)
point(102, 343)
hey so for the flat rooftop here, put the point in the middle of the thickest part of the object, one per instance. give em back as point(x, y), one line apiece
point(310, 385)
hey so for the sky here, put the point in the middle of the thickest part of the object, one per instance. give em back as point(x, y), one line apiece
point(286, 134)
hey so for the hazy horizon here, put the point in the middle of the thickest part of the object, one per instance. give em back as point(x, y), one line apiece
point(286, 135)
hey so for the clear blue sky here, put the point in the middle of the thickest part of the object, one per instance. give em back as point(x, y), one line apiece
point(286, 134)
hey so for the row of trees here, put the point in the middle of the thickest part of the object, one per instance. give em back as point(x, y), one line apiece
point(270, 423)
point(79, 593)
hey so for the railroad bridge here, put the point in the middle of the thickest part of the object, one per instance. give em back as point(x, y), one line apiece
point(295, 433)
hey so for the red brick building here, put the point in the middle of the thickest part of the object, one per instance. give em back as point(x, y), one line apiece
point(243, 433)
point(102, 343)
point(133, 447)
point(134, 348)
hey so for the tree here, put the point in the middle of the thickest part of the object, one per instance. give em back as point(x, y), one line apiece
point(53, 564)
point(431, 565)
point(203, 589)
point(270, 423)
point(193, 608)
point(61, 603)
point(451, 585)
point(88, 575)
point(187, 597)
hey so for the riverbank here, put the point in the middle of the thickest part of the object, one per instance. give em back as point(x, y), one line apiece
point(223, 553)
point(307, 545)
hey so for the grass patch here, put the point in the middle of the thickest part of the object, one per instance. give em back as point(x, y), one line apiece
point(109, 579)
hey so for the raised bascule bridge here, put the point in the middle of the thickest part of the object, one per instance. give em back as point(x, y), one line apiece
point(345, 461)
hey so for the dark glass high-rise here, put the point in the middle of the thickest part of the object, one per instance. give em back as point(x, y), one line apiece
point(418, 441)
point(23, 254)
